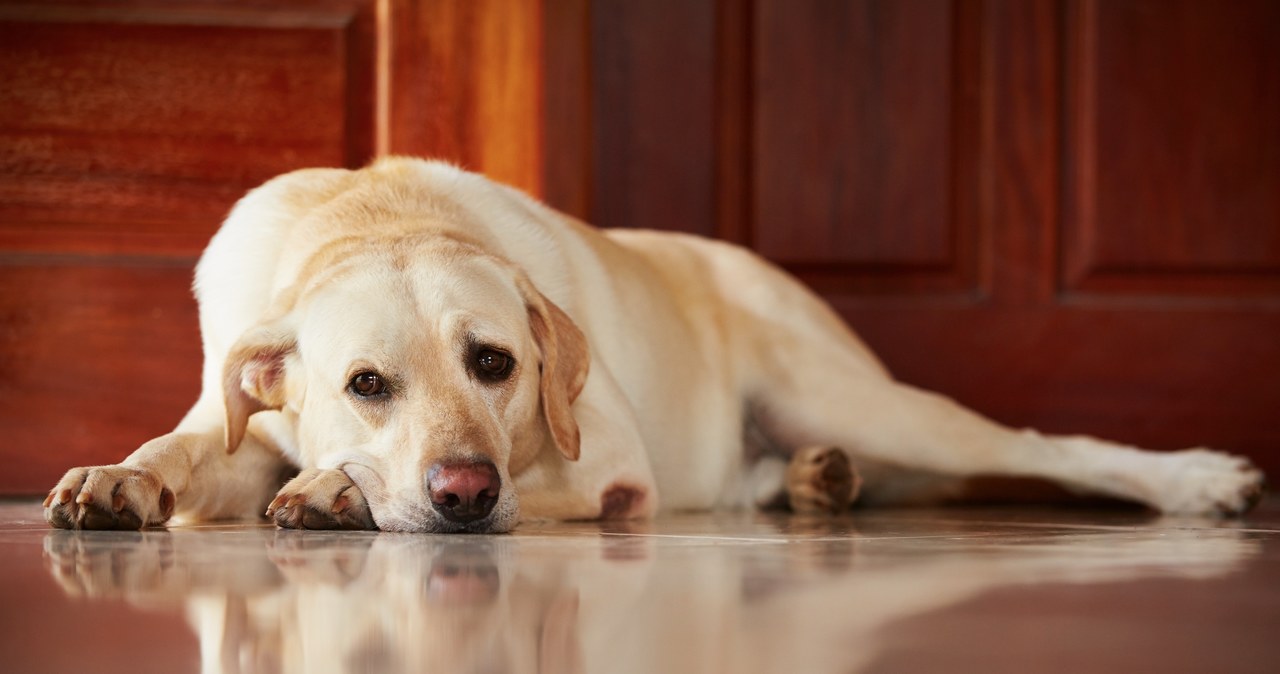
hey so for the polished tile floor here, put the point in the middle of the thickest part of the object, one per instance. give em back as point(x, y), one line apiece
point(996, 590)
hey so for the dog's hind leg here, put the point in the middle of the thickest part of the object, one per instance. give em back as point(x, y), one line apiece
point(817, 384)
point(897, 425)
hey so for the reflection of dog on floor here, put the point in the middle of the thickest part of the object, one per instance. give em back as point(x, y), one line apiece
point(441, 353)
point(310, 602)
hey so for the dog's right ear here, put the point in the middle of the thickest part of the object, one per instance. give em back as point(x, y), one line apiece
point(253, 377)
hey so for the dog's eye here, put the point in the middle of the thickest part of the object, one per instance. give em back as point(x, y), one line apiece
point(367, 385)
point(493, 365)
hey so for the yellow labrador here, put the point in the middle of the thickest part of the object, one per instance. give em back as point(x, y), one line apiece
point(441, 353)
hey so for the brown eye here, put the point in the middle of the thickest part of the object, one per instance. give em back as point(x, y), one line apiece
point(367, 385)
point(493, 365)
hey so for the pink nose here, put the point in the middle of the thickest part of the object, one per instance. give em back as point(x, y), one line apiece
point(463, 492)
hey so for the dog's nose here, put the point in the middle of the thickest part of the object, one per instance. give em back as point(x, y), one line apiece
point(463, 492)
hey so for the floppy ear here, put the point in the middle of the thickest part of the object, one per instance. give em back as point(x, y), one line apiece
point(253, 378)
point(565, 360)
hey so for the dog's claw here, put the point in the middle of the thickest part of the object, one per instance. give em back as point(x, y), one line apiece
point(276, 504)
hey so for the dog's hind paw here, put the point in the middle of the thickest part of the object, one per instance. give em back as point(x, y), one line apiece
point(1207, 482)
point(108, 497)
point(821, 480)
point(321, 499)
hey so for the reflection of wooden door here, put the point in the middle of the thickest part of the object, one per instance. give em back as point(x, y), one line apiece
point(128, 129)
point(1065, 214)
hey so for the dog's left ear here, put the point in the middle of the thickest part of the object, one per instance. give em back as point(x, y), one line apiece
point(253, 377)
point(565, 361)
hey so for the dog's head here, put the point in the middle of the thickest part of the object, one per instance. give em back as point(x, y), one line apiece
point(427, 369)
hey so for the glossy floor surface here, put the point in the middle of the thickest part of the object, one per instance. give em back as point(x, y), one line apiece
point(995, 590)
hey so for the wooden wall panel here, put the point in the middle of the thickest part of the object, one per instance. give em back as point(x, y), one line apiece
point(148, 122)
point(98, 358)
point(464, 83)
point(863, 146)
point(567, 120)
point(1173, 148)
point(852, 127)
point(653, 87)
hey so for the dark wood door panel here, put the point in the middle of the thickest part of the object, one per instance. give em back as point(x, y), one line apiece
point(152, 118)
point(97, 359)
point(1173, 147)
point(653, 87)
point(461, 81)
point(853, 107)
point(865, 148)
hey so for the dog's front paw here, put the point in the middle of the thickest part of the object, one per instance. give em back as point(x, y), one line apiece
point(321, 499)
point(108, 497)
point(821, 480)
point(1206, 482)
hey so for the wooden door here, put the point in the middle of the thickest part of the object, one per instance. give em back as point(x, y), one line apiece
point(1063, 214)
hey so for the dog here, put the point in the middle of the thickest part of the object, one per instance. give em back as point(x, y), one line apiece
point(437, 352)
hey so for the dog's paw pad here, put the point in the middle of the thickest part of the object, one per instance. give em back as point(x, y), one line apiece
point(321, 499)
point(821, 480)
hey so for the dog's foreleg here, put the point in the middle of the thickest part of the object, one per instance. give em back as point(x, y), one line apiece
point(187, 472)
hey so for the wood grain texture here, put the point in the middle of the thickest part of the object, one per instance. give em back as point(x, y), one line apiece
point(852, 132)
point(653, 102)
point(97, 359)
point(466, 85)
point(865, 143)
point(138, 125)
point(1173, 148)
point(567, 123)
point(1018, 180)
